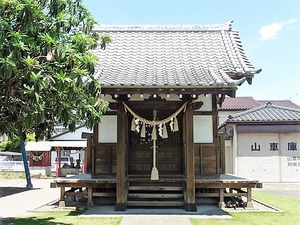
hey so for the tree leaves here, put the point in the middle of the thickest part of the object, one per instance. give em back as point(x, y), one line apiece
point(46, 67)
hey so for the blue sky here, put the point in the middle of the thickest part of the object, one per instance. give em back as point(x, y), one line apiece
point(269, 30)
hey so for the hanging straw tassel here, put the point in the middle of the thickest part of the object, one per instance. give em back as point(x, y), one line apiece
point(165, 132)
point(176, 124)
point(133, 125)
point(154, 171)
point(143, 131)
point(154, 174)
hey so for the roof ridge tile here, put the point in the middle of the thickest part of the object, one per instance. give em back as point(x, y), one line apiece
point(187, 27)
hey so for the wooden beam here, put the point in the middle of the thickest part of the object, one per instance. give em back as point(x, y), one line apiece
point(88, 156)
point(186, 90)
point(190, 204)
point(121, 203)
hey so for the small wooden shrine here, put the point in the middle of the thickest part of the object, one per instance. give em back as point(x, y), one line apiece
point(158, 145)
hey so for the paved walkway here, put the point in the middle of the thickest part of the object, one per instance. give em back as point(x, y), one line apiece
point(16, 200)
point(155, 220)
point(290, 190)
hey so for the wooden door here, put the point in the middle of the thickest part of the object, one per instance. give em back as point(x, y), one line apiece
point(169, 151)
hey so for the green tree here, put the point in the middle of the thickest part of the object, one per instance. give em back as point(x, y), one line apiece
point(47, 66)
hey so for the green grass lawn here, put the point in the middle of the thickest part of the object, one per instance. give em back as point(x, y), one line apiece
point(63, 218)
point(290, 216)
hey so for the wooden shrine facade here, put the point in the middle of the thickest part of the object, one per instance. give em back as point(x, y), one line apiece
point(158, 143)
point(181, 161)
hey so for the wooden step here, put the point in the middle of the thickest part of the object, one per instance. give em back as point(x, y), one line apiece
point(155, 188)
point(155, 203)
point(154, 195)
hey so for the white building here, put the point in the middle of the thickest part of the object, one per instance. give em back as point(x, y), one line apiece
point(263, 144)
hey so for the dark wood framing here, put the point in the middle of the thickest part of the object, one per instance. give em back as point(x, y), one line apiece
point(121, 158)
point(230, 91)
point(190, 204)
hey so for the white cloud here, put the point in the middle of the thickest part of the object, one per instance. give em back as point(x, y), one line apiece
point(270, 31)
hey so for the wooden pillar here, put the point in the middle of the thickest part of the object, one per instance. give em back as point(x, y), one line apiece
point(216, 132)
point(121, 203)
point(249, 197)
point(88, 155)
point(90, 197)
point(62, 202)
point(221, 201)
point(190, 204)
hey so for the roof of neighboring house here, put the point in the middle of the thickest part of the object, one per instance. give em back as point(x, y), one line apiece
point(244, 103)
point(239, 103)
point(175, 56)
point(285, 103)
point(266, 113)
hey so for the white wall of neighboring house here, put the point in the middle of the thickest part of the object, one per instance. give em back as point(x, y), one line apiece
point(76, 136)
point(290, 160)
point(259, 162)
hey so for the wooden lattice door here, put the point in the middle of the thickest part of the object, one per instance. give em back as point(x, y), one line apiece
point(169, 157)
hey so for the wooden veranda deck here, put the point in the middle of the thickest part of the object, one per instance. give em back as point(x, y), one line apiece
point(227, 185)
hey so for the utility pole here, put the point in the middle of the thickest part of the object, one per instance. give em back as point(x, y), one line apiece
point(25, 162)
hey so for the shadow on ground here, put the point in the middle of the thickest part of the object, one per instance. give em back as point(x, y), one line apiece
point(6, 191)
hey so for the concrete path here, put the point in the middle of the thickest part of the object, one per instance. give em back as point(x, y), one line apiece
point(16, 200)
point(290, 190)
point(155, 220)
point(158, 216)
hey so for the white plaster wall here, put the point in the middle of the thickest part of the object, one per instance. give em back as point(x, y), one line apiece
point(207, 102)
point(203, 129)
point(107, 129)
point(228, 157)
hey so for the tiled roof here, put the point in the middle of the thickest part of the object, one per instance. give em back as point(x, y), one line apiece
point(239, 103)
point(285, 103)
point(267, 113)
point(244, 103)
point(173, 56)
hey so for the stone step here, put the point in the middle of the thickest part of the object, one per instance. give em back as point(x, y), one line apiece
point(154, 196)
point(155, 203)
